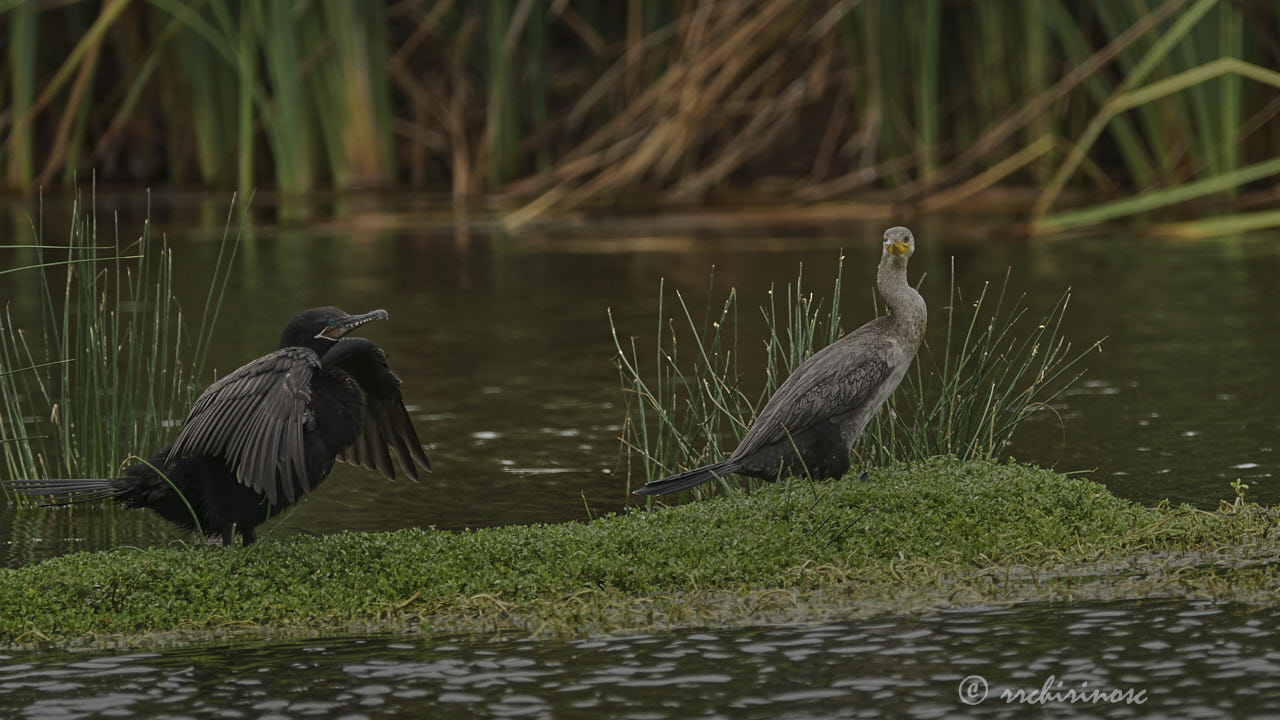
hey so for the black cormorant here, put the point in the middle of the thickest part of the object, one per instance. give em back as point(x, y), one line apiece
point(260, 438)
point(823, 406)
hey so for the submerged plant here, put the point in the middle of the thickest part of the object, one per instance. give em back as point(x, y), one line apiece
point(114, 363)
point(965, 399)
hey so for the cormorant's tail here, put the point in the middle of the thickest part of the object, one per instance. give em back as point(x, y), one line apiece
point(688, 479)
point(66, 491)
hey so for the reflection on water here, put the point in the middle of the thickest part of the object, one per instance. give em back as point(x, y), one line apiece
point(504, 348)
point(1190, 660)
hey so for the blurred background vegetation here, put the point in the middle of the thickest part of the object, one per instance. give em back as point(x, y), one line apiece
point(557, 103)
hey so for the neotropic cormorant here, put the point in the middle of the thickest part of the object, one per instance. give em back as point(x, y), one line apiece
point(260, 438)
point(824, 405)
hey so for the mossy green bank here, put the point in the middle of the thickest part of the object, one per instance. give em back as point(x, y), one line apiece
point(912, 536)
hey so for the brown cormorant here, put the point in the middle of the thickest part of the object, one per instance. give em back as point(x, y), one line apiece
point(260, 438)
point(809, 425)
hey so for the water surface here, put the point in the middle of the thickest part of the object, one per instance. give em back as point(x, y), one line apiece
point(1182, 659)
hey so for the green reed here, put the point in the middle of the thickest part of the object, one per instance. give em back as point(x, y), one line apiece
point(966, 398)
point(114, 363)
point(570, 103)
point(683, 415)
point(996, 367)
point(23, 26)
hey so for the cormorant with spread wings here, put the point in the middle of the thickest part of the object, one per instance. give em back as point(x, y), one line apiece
point(260, 438)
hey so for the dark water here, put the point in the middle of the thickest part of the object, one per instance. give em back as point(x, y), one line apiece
point(1168, 659)
point(504, 348)
point(503, 344)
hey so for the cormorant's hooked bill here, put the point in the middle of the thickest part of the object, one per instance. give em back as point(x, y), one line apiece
point(342, 325)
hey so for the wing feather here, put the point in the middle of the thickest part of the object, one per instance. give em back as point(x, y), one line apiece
point(837, 380)
point(255, 418)
point(387, 427)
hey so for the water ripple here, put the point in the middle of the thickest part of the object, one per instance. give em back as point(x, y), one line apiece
point(1191, 659)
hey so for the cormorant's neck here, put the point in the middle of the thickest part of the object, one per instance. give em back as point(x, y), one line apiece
point(907, 307)
point(319, 346)
point(345, 349)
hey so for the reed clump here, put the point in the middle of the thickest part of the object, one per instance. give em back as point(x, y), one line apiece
point(114, 362)
point(556, 104)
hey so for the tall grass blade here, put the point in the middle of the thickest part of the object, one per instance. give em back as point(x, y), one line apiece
point(927, 99)
point(23, 24)
point(1158, 198)
point(247, 80)
point(1231, 44)
point(288, 118)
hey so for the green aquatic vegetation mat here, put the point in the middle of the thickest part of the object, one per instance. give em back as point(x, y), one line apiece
point(911, 536)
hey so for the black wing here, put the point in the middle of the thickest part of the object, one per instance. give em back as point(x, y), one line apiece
point(255, 418)
point(387, 427)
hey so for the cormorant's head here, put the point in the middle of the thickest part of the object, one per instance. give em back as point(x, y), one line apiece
point(319, 328)
point(898, 241)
